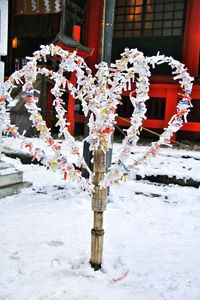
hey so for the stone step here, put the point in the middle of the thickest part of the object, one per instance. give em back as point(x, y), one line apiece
point(24, 157)
point(4, 165)
point(9, 175)
point(13, 189)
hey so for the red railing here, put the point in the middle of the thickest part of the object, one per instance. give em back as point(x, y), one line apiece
point(170, 93)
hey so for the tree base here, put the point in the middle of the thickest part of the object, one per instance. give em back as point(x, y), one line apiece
point(96, 267)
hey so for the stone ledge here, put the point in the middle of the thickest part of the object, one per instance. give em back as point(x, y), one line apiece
point(13, 189)
point(165, 179)
point(9, 175)
point(24, 157)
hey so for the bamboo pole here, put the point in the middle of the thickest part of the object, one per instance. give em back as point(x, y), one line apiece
point(99, 200)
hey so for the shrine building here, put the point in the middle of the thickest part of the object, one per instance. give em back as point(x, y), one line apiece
point(171, 27)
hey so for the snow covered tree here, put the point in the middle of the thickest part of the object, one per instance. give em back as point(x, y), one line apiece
point(99, 95)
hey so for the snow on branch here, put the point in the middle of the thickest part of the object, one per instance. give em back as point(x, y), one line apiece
point(99, 95)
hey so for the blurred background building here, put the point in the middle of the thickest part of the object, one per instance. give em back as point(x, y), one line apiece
point(100, 30)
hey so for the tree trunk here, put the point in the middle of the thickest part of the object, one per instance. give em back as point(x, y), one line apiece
point(99, 200)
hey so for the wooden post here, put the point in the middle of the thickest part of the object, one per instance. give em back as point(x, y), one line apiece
point(99, 201)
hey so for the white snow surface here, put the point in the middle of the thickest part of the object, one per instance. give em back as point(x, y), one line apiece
point(151, 242)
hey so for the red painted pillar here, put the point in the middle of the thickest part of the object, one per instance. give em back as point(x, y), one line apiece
point(94, 29)
point(49, 105)
point(191, 46)
point(77, 32)
point(170, 106)
point(71, 106)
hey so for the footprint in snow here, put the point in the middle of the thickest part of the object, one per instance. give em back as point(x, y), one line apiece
point(55, 262)
point(15, 256)
point(19, 265)
point(55, 243)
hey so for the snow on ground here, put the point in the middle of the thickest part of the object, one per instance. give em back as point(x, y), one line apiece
point(151, 243)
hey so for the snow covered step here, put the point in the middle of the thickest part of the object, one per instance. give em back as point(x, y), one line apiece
point(25, 157)
point(9, 175)
point(13, 189)
point(3, 165)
